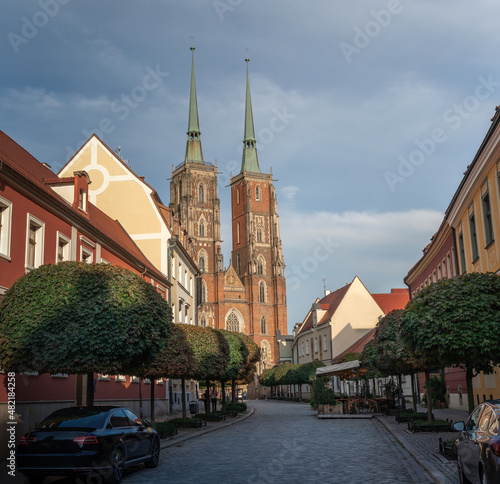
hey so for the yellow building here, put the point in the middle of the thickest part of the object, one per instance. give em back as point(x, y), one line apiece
point(474, 215)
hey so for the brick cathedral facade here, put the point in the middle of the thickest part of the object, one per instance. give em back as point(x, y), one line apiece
point(249, 296)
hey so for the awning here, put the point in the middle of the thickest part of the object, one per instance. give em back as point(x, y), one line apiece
point(336, 369)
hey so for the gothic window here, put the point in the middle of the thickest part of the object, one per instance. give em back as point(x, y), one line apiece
point(232, 323)
point(238, 263)
point(202, 228)
point(263, 325)
point(257, 193)
point(203, 321)
point(262, 292)
point(238, 233)
point(203, 292)
point(259, 235)
point(201, 261)
point(201, 193)
point(238, 195)
point(260, 264)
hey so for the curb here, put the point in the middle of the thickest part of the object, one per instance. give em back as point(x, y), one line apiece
point(435, 474)
point(183, 438)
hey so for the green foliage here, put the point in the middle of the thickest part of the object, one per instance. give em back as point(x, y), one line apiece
point(165, 429)
point(238, 355)
point(252, 358)
point(239, 407)
point(321, 393)
point(187, 422)
point(348, 357)
point(266, 379)
point(290, 374)
point(81, 318)
point(456, 322)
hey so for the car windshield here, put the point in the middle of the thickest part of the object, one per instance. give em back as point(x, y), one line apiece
point(74, 418)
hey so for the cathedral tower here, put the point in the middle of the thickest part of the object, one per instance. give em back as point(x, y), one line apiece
point(257, 254)
point(195, 201)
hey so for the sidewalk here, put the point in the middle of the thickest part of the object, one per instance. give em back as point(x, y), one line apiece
point(424, 446)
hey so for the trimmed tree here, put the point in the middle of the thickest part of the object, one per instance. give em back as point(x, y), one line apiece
point(456, 322)
point(82, 319)
point(250, 367)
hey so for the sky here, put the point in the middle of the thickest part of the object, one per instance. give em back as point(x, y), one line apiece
point(367, 112)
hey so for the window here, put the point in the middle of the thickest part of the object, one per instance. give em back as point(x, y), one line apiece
point(307, 347)
point(259, 266)
point(103, 377)
point(325, 346)
point(203, 321)
point(34, 248)
point(238, 195)
point(203, 292)
point(238, 233)
point(63, 248)
point(118, 419)
point(471, 424)
point(238, 263)
point(120, 378)
point(86, 255)
point(201, 193)
point(201, 262)
point(180, 311)
point(82, 200)
point(473, 235)
point(232, 322)
point(202, 228)
point(461, 250)
point(263, 325)
point(315, 345)
point(303, 351)
point(262, 292)
point(488, 223)
point(259, 235)
point(5, 226)
point(134, 419)
point(257, 193)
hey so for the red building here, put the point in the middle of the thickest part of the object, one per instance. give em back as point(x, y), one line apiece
point(45, 219)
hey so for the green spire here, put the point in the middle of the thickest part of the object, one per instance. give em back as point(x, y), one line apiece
point(194, 153)
point(249, 161)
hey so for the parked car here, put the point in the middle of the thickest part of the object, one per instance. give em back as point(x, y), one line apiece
point(478, 445)
point(99, 440)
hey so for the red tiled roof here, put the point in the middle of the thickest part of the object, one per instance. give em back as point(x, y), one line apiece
point(17, 158)
point(329, 303)
point(396, 299)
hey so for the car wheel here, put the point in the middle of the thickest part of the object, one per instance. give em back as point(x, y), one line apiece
point(35, 478)
point(117, 459)
point(155, 455)
point(461, 476)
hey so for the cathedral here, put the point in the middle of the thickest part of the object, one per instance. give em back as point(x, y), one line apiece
point(250, 295)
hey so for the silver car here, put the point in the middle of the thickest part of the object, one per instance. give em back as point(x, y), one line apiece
point(478, 445)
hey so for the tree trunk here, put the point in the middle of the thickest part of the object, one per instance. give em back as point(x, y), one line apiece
point(223, 395)
point(233, 391)
point(152, 402)
point(413, 393)
point(183, 385)
point(90, 389)
point(470, 392)
point(207, 398)
point(429, 395)
point(140, 398)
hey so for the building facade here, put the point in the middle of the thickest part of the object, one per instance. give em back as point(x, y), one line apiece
point(249, 295)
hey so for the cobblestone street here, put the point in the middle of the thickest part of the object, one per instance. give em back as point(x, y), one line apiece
point(285, 442)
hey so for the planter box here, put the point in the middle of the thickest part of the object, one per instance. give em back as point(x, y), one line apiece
point(447, 449)
point(407, 416)
point(330, 409)
point(422, 426)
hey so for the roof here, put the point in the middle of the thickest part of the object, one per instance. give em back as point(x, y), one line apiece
point(26, 165)
point(396, 299)
point(339, 368)
point(329, 303)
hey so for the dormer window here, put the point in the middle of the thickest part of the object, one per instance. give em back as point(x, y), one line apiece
point(82, 200)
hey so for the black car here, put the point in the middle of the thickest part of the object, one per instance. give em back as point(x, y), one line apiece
point(99, 440)
point(478, 445)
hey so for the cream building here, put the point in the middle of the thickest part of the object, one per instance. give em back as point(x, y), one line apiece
point(126, 197)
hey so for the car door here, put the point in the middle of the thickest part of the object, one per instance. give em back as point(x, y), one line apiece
point(483, 436)
point(122, 428)
point(142, 434)
point(470, 453)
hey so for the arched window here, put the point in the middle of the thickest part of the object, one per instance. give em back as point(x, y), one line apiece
point(262, 292)
point(203, 320)
point(257, 192)
point(203, 292)
point(259, 235)
point(201, 193)
point(201, 262)
point(260, 266)
point(232, 323)
point(263, 328)
point(238, 195)
point(238, 233)
point(238, 263)
point(202, 228)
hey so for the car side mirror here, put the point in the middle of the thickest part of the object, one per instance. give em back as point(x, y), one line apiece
point(459, 426)
point(146, 422)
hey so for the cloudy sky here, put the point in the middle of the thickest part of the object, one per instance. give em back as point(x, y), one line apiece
point(368, 112)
